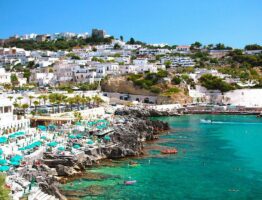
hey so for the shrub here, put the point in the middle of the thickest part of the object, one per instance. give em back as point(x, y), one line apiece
point(176, 80)
point(215, 83)
point(156, 90)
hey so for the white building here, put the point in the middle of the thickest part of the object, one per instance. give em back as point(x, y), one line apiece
point(104, 69)
point(140, 61)
point(5, 77)
point(9, 123)
point(64, 71)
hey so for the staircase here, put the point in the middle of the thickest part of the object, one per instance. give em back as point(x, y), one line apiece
point(37, 194)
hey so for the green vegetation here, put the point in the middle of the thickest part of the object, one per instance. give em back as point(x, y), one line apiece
point(73, 56)
point(4, 191)
point(239, 58)
point(253, 47)
point(95, 59)
point(14, 80)
point(176, 80)
point(60, 44)
point(148, 80)
point(82, 86)
point(215, 83)
point(171, 91)
point(27, 74)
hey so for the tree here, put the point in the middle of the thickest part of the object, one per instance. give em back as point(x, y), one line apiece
point(121, 38)
point(25, 106)
point(10, 98)
point(131, 41)
point(253, 47)
point(195, 46)
point(168, 63)
point(71, 102)
point(19, 98)
point(30, 100)
point(215, 83)
point(176, 80)
point(7, 86)
point(97, 100)
point(77, 99)
point(73, 56)
point(14, 80)
point(27, 74)
point(117, 46)
point(4, 191)
point(44, 97)
point(31, 64)
point(36, 103)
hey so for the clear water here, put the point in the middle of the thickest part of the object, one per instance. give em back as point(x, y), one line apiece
point(218, 160)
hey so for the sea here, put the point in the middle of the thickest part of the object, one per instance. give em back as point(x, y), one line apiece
point(219, 157)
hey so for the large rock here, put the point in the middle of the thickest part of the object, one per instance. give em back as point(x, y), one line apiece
point(65, 171)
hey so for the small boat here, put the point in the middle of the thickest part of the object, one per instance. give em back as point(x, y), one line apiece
point(169, 151)
point(130, 182)
point(206, 121)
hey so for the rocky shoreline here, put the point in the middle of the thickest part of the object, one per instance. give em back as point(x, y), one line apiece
point(127, 140)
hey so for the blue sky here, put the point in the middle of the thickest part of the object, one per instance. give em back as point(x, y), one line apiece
point(233, 22)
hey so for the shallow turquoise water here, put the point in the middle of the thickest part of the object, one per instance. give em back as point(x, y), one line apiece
point(222, 160)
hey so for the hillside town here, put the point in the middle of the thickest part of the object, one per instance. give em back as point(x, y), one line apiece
point(63, 96)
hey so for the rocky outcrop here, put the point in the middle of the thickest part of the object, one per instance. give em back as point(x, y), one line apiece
point(144, 113)
point(127, 139)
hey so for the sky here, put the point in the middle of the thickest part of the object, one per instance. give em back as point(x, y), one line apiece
point(232, 22)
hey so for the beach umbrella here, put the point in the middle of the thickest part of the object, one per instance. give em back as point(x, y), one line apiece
point(16, 158)
point(72, 136)
point(3, 161)
point(61, 148)
point(3, 140)
point(78, 136)
point(1, 151)
point(52, 144)
point(43, 137)
point(107, 137)
point(4, 168)
point(78, 123)
point(76, 146)
point(90, 142)
point(42, 128)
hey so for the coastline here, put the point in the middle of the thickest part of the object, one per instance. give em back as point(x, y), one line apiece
point(128, 141)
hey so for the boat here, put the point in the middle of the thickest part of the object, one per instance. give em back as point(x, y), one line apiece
point(130, 182)
point(169, 151)
point(206, 121)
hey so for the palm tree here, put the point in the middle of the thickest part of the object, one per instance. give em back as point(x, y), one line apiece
point(30, 100)
point(83, 100)
point(97, 100)
point(88, 101)
point(10, 98)
point(45, 98)
point(60, 99)
point(36, 103)
point(71, 101)
point(16, 105)
point(20, 98)
point(78, 100)
point(25, 106)
point(40, 98)
point(52, 99)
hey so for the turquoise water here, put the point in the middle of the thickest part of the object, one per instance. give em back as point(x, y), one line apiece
point(218, 160)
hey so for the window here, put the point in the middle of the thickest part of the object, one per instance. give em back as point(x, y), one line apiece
point(7, 109)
